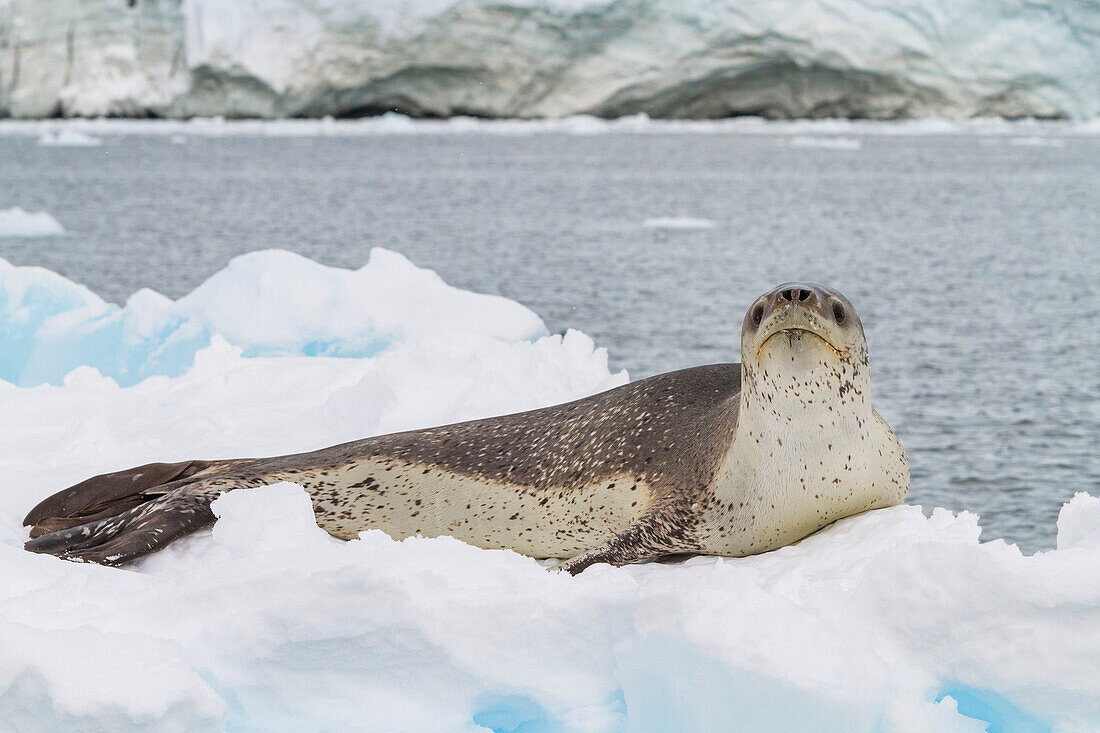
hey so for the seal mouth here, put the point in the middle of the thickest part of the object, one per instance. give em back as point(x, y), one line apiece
point(797, 334)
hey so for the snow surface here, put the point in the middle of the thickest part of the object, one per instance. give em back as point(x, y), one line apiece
point(551, 58)
point(890, 621)
point(15, 222)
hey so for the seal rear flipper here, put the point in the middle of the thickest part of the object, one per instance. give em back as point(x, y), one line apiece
point(137, 531)
point(109, 494)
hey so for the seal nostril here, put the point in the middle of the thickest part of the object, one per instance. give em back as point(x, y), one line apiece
point(792, 295)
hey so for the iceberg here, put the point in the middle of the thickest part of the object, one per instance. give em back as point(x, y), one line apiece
point(895, 620)
point(550, 58)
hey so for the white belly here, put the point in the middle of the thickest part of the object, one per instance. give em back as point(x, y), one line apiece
point(423, 500)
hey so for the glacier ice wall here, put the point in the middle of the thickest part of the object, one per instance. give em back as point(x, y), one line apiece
point(550, 58)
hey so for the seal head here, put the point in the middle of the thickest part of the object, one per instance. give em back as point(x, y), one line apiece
point(800, 327)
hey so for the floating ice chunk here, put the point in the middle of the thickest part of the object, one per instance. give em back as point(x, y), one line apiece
point(68, 137)
point(678, 222)
point(826, 143)
point(1036, 142)
point(15, 222)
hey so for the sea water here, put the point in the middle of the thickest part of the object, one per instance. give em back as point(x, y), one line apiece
point(971, 255)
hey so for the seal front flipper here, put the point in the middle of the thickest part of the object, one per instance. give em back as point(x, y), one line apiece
point(109, 494)
point(660, 531)
point(139, 530)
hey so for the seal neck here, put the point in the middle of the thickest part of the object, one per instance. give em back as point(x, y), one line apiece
point(839, 387)
point(799, 409)
point(808, 450)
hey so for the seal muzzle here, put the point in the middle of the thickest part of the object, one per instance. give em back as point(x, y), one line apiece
point(800, 309)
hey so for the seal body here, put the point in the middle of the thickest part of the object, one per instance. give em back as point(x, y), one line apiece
point(726, 459)
point(549, 483)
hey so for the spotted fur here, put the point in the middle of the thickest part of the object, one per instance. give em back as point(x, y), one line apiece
point(727, 459)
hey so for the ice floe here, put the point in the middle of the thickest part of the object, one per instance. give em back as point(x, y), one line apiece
point(896, 620)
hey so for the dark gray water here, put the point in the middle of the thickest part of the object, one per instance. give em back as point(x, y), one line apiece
point(973, 260)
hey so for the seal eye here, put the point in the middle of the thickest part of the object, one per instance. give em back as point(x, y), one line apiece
point(838, 313)
point(757, 314)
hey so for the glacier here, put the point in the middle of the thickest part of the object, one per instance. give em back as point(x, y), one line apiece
point(550, 58)
point(896, 620)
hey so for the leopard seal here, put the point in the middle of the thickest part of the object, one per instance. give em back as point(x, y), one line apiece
point(726, 459)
